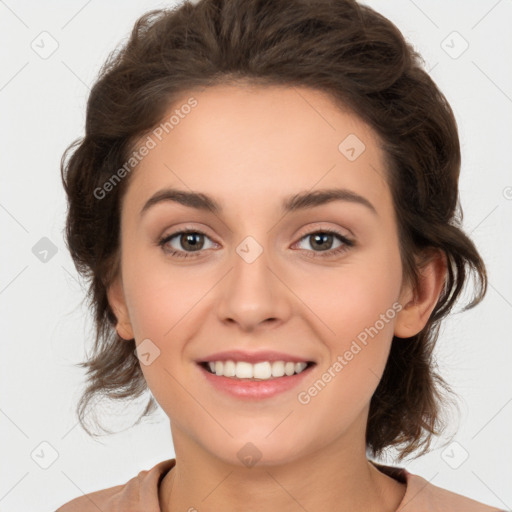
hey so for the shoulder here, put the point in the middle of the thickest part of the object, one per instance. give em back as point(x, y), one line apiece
point(139, 494)
point(422, 496)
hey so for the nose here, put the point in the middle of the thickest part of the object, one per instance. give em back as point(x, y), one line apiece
point(253, 293)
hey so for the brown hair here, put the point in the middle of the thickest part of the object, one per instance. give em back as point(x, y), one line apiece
point(340, 47)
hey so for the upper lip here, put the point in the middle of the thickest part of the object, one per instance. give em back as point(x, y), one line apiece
point(253, 357)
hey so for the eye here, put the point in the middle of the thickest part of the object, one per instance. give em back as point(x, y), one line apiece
point(323, 240)
point(190, 240)
point(193, 241)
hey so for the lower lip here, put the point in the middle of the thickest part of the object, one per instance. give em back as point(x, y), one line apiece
point(254, 389)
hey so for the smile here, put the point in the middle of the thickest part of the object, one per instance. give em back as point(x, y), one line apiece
point(264, 370)
point(261, 380)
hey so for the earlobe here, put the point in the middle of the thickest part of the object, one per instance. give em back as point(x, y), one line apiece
point(117, 303)
point(419, 304)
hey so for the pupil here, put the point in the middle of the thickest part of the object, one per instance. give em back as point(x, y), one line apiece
point(323, 238)
point(188, 238)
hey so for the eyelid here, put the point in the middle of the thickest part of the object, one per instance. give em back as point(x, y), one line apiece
point(173, 231)
point(165, 238)
point(320, 226)
point(309, 230)
point(347, 243)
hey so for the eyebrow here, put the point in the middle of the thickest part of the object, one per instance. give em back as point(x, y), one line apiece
point(300, 201)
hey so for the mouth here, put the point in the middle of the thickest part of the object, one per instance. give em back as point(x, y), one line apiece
point(248, 381)
point(261, 371)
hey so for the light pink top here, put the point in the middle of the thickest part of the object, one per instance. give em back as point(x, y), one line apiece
point(140, 494)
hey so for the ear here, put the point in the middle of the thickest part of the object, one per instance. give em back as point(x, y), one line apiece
point(116, 299)
point(418, 304)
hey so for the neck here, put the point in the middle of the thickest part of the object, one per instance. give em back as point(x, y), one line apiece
point(330, 479)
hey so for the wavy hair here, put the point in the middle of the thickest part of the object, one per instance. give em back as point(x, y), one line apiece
point(362, 61)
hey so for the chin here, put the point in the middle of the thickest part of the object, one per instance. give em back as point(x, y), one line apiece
point(255, 449)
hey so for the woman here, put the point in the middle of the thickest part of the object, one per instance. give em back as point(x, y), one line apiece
point(265, 202)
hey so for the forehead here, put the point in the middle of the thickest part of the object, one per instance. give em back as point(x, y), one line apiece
point(264, 143)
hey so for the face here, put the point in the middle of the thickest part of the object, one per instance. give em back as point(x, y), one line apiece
point(317, 281)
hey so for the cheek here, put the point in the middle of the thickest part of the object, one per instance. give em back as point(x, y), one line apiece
point(366, 326)
point(357, 307)
point(157, 294)
point(160, 306)
point(150, 306)
point(349, 300)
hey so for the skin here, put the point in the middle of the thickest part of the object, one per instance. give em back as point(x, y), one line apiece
point(249, 148)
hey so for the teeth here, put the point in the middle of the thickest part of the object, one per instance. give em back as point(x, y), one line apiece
point(243, 370)
point(289, 368)
point(229, 369)
point(262, 371)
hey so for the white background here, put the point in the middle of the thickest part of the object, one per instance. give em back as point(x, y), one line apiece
point(44, 323)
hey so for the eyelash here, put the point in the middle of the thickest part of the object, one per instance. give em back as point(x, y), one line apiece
point(347, 244)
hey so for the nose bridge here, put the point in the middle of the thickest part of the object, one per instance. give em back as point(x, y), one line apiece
point(251, 293)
